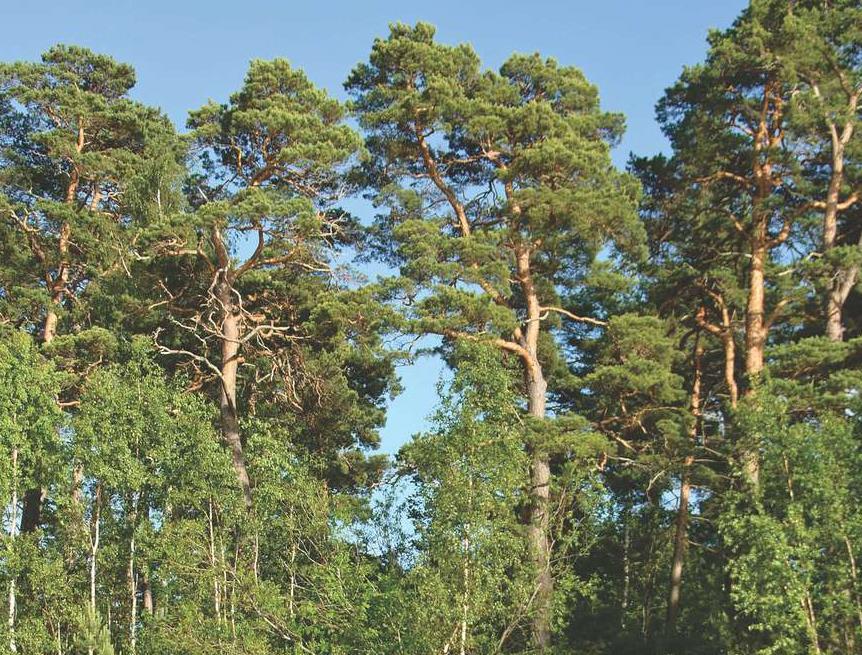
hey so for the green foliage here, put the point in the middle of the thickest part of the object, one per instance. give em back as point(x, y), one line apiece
point(469, 586)
point(29, 417)
point(442, 129)
point(647, 371)
point(95, 637)
point(77, 168)
point(792, 546)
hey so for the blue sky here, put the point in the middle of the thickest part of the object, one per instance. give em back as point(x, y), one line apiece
point(188, 51)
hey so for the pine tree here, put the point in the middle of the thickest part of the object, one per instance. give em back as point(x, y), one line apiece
point(271, 158)
point(75, 148)
point(727, 121)
point(822, 58)
point(502, 195)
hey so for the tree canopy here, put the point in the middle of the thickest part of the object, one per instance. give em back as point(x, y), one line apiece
point(647, 437)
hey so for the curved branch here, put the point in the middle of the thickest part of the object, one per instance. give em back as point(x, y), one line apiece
point(574, 317)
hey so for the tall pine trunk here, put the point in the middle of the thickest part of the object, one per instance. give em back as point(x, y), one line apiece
point(230, 336)
point(230, 343)
point(538, 518)
point(755, 319)
point(834, 302)
point(31, 513)
point(755, 334)
point(680, 540)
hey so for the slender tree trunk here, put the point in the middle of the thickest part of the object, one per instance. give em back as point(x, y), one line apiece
point(728, 342)
point(95, 535)
point(13, 526)
point(216, 579)
point(234, 567)
point(680, 545)
point(854, 579)
point(730, 366)
point(624, 606)
point(465, 571)
point(61, 279)
point(648, 588)
point(843, 279)
point(133, 601)
point(680, 541)
point(231, 334)
point(292, 592)
point(811, 622)
point(133, 580)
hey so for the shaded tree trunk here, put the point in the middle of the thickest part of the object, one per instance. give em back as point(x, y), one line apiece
point(834, 300)
point(843, 279)
point(624, 605)
point(680, 545)
point(31, 514)
point(842, 285)
point(680, 540)
point(230, 337)
point(147, 592)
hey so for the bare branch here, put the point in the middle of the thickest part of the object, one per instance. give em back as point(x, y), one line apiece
point(574, 317)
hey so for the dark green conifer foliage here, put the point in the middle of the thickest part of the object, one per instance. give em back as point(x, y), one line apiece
point(74, 150)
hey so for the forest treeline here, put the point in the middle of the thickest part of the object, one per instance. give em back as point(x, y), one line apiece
point(650, 440)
